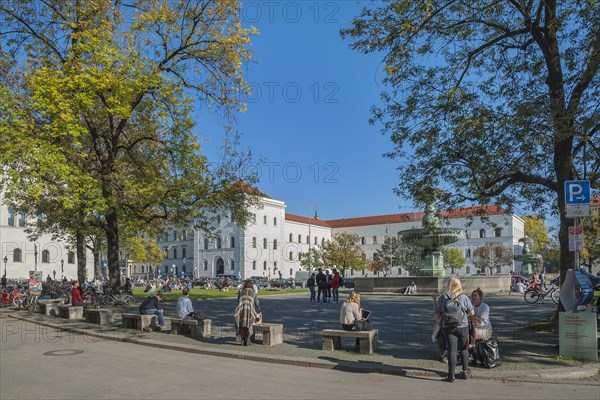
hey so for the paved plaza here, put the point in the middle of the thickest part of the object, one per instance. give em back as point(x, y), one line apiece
point(404, 322)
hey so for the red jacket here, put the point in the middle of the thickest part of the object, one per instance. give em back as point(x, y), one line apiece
point(76, 296)
point(335, 282)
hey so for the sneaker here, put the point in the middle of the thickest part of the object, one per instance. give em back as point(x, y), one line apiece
point(444, 359)
point(147, 329)
point(465, 374)
point(449, 378)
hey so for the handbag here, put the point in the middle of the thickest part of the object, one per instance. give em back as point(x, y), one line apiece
point(362, 325)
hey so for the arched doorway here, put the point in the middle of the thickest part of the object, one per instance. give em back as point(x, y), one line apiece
point(220, 266)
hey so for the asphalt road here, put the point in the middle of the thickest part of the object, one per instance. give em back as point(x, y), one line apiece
point(38, 362)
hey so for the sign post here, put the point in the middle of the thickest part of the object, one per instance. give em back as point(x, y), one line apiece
point(577, 201)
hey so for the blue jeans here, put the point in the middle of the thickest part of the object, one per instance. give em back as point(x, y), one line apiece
point(457, 340)
point(336, 294)
point(313, 296)
point(158, 313)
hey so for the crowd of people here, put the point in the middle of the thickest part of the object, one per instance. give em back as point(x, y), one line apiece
point(324, 285)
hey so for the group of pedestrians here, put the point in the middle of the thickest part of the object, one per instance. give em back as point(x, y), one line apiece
point(324, 285)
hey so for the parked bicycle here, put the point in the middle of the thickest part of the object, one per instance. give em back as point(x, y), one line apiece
point(31, 300)
point(14, 298)
point(532, 295)
point(111, 299)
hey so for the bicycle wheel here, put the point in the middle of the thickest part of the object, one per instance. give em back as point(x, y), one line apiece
point(33, 304)
point(128, 299)
point(108, 299)
point(531, 296)
point(556, 296)
point(17, 300)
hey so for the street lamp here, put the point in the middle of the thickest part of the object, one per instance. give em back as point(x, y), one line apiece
point(5, 261)
point(35, 253)
point(62, 268)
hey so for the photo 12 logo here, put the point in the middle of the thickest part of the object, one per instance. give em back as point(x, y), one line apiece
point(293, 172)
point(292, 92)
point(291, 12)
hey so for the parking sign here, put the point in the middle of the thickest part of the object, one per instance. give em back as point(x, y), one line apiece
point(577, 192)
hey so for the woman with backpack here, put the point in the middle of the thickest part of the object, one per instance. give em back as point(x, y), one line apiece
point(452, 311)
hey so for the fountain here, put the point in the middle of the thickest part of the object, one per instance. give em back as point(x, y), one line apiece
point(430, 239)
point(527, 258)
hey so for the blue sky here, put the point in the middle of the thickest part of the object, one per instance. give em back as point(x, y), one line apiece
point(307, 117)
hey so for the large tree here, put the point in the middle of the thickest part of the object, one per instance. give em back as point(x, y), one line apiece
point(98, 111)
point(491, 100)
point(343, 252)
point(535, 228)
point(453, 258)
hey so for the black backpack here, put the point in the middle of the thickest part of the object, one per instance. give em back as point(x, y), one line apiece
point(452, 312)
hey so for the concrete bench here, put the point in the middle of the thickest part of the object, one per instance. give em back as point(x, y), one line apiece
point(70, 312)
point(138, 321)
point(196, 329)
point(99, 316)
point(49, 309)
point(272, 334)
point(332, 339)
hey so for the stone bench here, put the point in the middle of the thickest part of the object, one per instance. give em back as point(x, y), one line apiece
point(196, 329)
point(99, 316)
point(70, 312)
point(332, 339)
point(272, 334)
point(49, 308)
point(138, 321)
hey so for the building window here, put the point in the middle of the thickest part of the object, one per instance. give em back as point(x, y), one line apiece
point(322, 242)
point(219, 244)
point(205, 265)
point(254, 265)
point(264, 219)
point(264, 265)
point(174, 252)
point(468, 253)
point(17, 255)
point(264, 243)
point(316, 241)
point(232, 242)
point(183, 253)
point(21, 219)
point(205, 243)
point(232, 265)
point(498, 269)
point(275, 244)
point(275, 265)
point(299, 238)
point(254, 218)
point(374, 239)
point(291, 238)
point(468, 234)
point(11, 216)
point(184, 235)
point(482, 233)
point(363, 241)
point(498, 232)
point(175, 236)
point(219, 219)
point(45, 256)
point(166, 252)
point(307, 239)
point(468, 270)
point(291, 255)
point(71, 258)
point(253, 242)
point(166, 236)
point(274, 220)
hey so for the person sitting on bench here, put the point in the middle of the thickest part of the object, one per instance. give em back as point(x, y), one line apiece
point(152, 306)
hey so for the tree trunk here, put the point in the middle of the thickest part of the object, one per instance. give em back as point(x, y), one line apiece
point(112, 243)
point(81, 256)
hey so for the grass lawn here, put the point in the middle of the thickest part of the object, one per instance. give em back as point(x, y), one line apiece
point(201, 294)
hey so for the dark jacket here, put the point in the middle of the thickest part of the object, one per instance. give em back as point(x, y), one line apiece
point(151, 303)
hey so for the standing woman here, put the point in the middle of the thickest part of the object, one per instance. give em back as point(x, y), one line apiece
point(246, 312)
point(481, 318)
point(457, 336)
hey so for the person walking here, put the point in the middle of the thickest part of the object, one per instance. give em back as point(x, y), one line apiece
point(311, 283)
point(453, 310)
point(246, 313)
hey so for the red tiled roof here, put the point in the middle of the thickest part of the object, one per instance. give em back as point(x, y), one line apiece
point(306, 220)
point(246, 188)
point(414, 216)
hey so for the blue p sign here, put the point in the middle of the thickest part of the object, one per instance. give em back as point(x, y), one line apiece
point(577, 192)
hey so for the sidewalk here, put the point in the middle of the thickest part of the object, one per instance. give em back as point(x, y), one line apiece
point(405, 346)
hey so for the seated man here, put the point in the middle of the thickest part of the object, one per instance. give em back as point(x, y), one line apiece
point(412, 288)
point(151, 306)
point(519, 287)
point(76, 298)
point(184, 305)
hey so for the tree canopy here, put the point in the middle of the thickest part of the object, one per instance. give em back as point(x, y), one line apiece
point(343, 252)
point(492, 101)
point(97, 102)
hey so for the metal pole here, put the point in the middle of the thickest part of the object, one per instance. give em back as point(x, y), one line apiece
point(576, 245)
point(35, 253)
point(309, 260)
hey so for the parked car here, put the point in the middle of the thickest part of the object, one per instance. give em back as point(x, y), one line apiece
point(349, 283)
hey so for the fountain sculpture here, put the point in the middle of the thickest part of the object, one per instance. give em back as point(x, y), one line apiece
point(527, 258)
point(430, 239)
